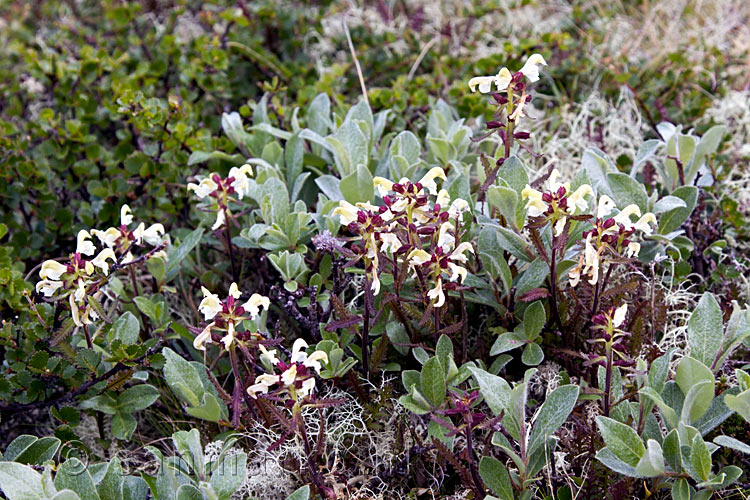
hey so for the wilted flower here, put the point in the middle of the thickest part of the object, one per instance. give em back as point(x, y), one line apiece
point(610, 336)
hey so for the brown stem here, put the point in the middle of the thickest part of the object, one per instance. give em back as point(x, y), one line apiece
point(89, 343)
point(230, 251)
point(478, 484)
point(366, 331)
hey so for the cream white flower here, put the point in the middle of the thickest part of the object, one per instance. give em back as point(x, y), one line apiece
point(588, 264)
point(458, 208)
point(234, 291)
point(220, 220)
point(108, 237)
point(605, 206)
point(255, 303)
point(262, 384)
point(48, 287)
point(126, 216)
point(445, 239)
point(268, 355)
point(535, 206)
point(531, 68)
point(619, 317)
point(428, 181)
point(389, 243)
point(347, 212)
point(228, 339)
point(436, 294)
point(204, 188)
point(100, 260)
point(382, 185)
point(458, 253)
point(289, 375)
point(643, 224)
point(483, 82)
point(457, 272)
point(52, 270)
point(203, 337)
point(211, 305)
point(634, 248)
point(151, 235)
point(84, 246)
point(241, 182)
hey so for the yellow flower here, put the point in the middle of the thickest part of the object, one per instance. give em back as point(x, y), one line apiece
point(151, 235)
point(108, 237)
point(262, 384)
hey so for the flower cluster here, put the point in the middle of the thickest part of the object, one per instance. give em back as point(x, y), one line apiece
point(610, 337)
point(234, 187)
point(81, 278)
point(412, 213)
point(296, 378)
point(512, 84)
point(121, 238)
point(610, 234)
point(225, 315)
point(557, 204)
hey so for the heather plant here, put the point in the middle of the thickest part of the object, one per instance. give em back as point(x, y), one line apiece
point(319, 290)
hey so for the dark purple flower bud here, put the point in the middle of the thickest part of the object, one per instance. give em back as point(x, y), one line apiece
point(494, 124)
point(547, 198)
point(561, 191)
point(528, 98)
point(361, 217)
point(501, 99)
point(418, 186)
point(608, 223)
point(382, 209)
point(521, 135)
point(623, 362)
point(600, 319)
point(499, 162)
point(517, 77)
point(399, 188)
point(444, 216)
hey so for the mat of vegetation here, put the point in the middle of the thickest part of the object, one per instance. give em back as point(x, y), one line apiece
point(374, 250)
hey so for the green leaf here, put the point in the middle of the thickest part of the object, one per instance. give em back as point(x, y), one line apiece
point(505, 200)
point(534, 319)
point(627, 191)
point(358, 186)
point(20, 482)
point(506, 342)
point(609, 459)
point(532, 354)
point(38, 452)
point(188, 445)
point(302, 493)
point(673, 219)
point(553, 414)
point(110, 487)
point(495, 390)
point(175, 256)
point(495, 476)
point(672, 453)
point(123, 425)
point(209, 409)
point(432, 382)
point(125, 329)
point(137, 398)
point(621, 440)
point(651, 463)
point(732, 443)
point(74, 475)
point(700, 457)
point(681, 490)
point(444, 351)
point(203, 156)
point(229, 475)
point(697, 401)
point(739, 403)
point(704, 330)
